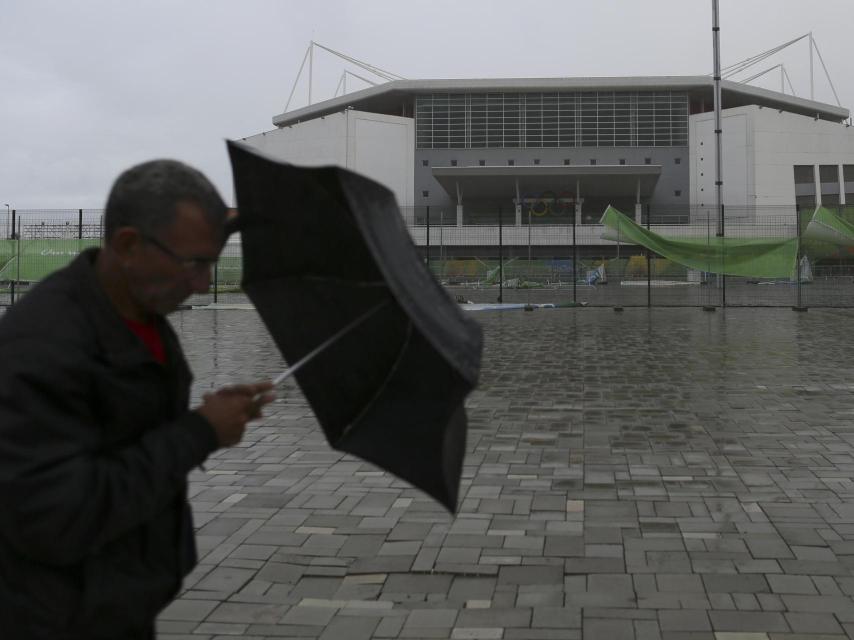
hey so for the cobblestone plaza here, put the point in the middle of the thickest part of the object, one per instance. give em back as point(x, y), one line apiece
point(664, 473)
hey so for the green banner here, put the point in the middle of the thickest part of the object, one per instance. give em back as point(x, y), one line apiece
point(751, 257)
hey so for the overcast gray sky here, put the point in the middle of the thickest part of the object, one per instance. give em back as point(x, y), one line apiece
point(91, 87)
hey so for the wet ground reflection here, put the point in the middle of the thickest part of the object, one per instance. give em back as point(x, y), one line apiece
point(621, 468)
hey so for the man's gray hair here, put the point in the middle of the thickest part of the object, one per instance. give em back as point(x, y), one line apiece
point(146, 197)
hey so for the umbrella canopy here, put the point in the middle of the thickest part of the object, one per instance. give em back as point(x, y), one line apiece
point(323, 247)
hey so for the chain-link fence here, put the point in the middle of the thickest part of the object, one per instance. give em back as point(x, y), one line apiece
point(36, 243)
point(515, 256)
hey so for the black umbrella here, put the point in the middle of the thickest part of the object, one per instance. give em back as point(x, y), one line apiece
point(328, 261)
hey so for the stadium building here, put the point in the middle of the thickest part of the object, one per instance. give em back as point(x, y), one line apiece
point(559, 151)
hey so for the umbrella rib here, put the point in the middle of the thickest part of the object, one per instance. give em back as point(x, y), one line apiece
point(382, 387)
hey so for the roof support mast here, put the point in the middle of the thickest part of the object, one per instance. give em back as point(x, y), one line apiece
point(784, 77)
point(812, 79)
point(738, 67)
point(309, 56)
point(826, 73)
point(342, 81)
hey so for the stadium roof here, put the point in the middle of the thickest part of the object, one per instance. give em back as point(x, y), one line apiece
point(395, 97)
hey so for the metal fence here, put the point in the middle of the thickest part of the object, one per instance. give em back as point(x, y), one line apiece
point(511, 258)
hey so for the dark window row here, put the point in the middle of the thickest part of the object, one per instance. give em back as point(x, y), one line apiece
point(604, 119)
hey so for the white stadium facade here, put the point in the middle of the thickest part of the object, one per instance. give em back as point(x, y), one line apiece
point(558, 151)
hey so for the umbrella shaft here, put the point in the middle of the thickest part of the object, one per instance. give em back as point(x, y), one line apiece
point(327, 343)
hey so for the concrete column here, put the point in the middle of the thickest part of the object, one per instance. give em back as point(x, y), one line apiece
point(841, 186)
point(518, 206)
point(578, 202)
point(638, 205)
point(816, 174)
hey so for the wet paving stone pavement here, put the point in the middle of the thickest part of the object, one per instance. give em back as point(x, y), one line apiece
point(665, 473)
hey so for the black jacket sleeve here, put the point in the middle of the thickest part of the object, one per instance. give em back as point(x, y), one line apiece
point(61, 496)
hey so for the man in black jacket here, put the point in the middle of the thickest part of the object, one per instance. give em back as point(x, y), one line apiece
point(96, 439)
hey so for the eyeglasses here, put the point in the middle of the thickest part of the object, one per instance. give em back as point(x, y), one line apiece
point(188, 264)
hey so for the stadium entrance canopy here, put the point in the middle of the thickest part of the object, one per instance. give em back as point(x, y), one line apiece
point(498, 183)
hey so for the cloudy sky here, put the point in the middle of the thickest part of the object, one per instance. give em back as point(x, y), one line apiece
point(90, 87)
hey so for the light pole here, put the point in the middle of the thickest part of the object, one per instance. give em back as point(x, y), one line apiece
point(7, 219)
point(719, 207)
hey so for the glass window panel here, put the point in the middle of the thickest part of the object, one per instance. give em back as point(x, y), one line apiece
point(828, 173)
point(804, 174)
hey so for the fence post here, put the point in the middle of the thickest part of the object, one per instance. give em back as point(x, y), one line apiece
point(574, 262)
point(216, 281)
point(441, 244)
point(528, 306)
point(708, 306)
point(648, 263)
point(800, 306)
point(500, 259)
point(723, 258)
point(17, 246)
point(80, 224)
point(427, 247)
point(20, 247)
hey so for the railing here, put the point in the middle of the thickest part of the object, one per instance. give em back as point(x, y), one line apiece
point(500, 260)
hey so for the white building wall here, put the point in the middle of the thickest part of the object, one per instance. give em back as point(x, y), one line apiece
point(786, 139)
point(738, 159)
point(760, 148)
point(314, 143)
point(378, 146)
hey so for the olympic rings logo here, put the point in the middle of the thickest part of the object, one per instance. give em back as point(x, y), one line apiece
point(549, 204)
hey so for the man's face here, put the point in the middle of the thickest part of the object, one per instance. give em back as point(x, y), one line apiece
point(164, 269)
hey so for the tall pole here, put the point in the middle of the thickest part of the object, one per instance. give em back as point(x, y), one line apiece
point(80, 224)
point(718, 131)
point(716, 40)
point(7, 219)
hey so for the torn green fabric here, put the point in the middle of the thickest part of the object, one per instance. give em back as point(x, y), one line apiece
point(826, 226)
point(750, 257)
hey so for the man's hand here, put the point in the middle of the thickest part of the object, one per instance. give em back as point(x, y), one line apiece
point(230, 408)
